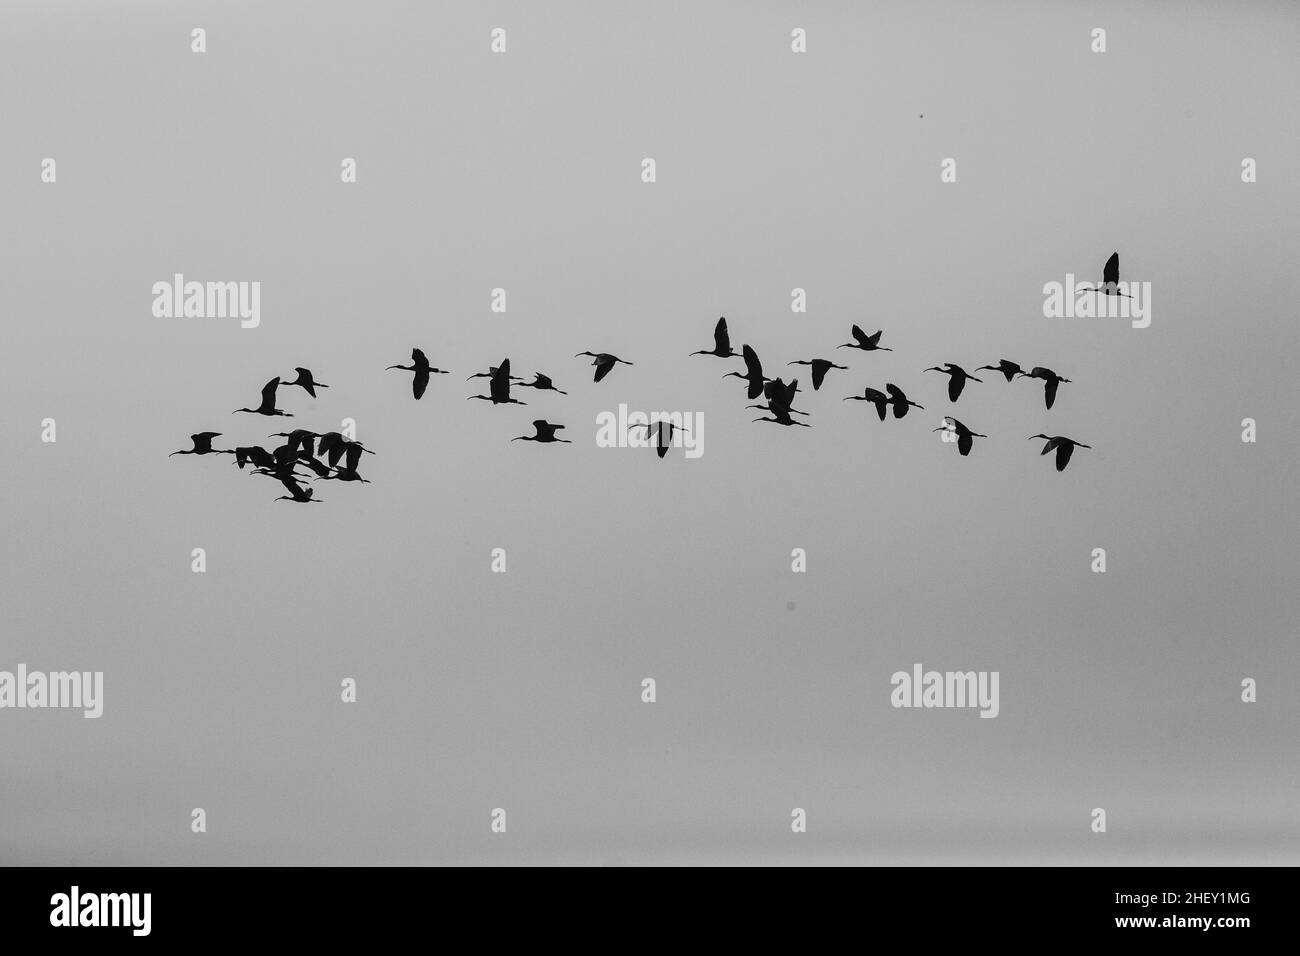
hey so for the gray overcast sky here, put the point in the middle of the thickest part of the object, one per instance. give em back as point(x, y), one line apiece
point(521, 690)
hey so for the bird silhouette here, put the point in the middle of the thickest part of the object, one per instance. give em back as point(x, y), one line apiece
point(753, 372)
point(298, 438)
point(345, 472)
point(1007, 367)
point(422, 369)
point(268, 401)
point(662, 441)
point(255, 455)
point(819, 369)
point(297, 492)
point(868, 343)
point(309, 384)
point(1064, 448)
point(782, 417)
point(964, 435)
point(499, 387)
point(957, 377)
point(1050, 382)
point(1109, 281)
point(492, 371)
point(540, 382)
point(603, 362)
point(544, 432)
point(879, 399)
point(899, 400)
point(780, 397)
point(203, 445)
point(721, 341)
point(332, 446)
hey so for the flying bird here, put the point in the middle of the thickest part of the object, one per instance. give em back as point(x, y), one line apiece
point(753, 372)
point(540, 382)
point(493, 370)
point(957, 377)
point(868, 343)
point(297, 492)
point(603, 362)
point(298, 438)
point(819, 369)
point(203, 445)
point(268, 401)
point(879, 399)
point(544, 432)
point(1109, 281)
point(1064, 448)
point(964, 435)
point(663, 441)
point(499, 387)
point(782, 418)
point(899, 400)
point(256, 455)
point(309, 384)
point(721, 342)
point(1007, 367)
point(422, 369)
point(1050, 382)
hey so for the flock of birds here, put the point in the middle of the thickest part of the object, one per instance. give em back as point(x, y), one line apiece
point(313, 456)
point(780, 396)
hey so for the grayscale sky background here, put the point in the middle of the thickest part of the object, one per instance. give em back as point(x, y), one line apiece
point(523, 690)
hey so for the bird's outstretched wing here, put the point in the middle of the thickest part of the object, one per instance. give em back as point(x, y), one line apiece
point(753, 367)
point(268, 393)
point(1111, 272)
point(721, 340)
point(860, 336)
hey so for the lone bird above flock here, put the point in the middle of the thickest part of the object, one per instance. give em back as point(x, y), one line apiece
point(544, 433)
point(1109, 281)
point(1064, 448)
point(819, 369)
point(542, 383)
point(957, 377)
point(721, 341)
point(422, 369)
point(868, 343)
point(753, 372)
point(1007, 367)
point(304, 379)
point(268, 401)
point(203, 445)
point(964, 434)
point(603, 362)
